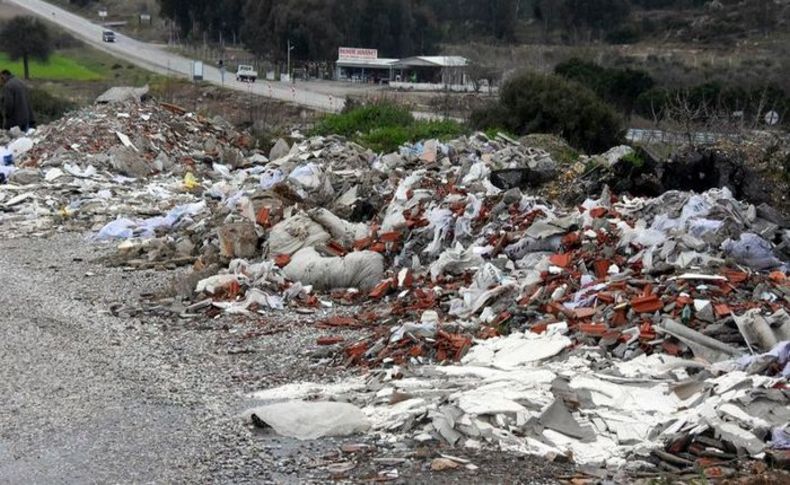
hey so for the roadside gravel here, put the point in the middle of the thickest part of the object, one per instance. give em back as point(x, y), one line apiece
point(95, 390)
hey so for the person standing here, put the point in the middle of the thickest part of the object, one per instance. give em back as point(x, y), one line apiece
point(16, 104)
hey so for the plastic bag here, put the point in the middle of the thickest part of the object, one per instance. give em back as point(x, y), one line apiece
point(118, 229)
point(270, 178)
point(456, 261)
point(751, 250)
point(190, 182)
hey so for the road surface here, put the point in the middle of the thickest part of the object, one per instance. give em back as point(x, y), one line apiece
point(159, 60)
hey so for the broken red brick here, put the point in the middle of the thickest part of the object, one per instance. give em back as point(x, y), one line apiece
point(356, 350)
point(390, 236)
point(777, 277)
point(646, 304)
point(382, 289)
point(598, 212)
point(646, 332)
point(735, 276)
point(324, 341)
point(336, 248)
point(282, 260)
point(605, 297)
point(722, 310)
point(262, 218)
point(363, 244)
point(601, 268)
point(581, 313)
point(539, 328)
point(562, 260)
point(379, 247)
point(593, 329)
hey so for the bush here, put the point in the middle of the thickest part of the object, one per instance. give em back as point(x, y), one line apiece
point(384, 127)
point(363, 119)
point(621, 87)
point(48, 108)
point(536, 103)
point(626, 34)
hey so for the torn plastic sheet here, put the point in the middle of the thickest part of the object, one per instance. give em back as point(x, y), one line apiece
point(270, 177)
point(254, 297)
point(311, 420)
point(440, 222)
point(751, 250)
point(779, 355)
point(123, 228)
point(463, 225)
point(422, 329)
point(780, 438)
point(76, 171)
point(487, 284)
point(455, 261)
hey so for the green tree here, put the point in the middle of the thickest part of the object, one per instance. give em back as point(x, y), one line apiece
point(537, 103)
point(25, 38)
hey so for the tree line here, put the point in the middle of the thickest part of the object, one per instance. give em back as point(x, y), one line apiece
point(397, 28)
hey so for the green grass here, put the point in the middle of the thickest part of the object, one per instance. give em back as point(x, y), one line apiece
point(59, 68)
point(384, 127)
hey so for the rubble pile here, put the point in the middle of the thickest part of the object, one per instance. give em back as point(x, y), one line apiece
point(636, 332)
point(127, 160)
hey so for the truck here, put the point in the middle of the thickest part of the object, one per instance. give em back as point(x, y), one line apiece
point(246, 74)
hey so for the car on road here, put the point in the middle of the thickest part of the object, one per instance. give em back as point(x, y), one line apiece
point(108, 36)
point(246, 74)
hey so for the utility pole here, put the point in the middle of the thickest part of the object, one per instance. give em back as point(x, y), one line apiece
point(290, 48)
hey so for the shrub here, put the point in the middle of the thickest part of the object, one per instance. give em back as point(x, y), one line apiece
point(537, 103)
point(47, 107)
point(384, 127)
point(363, 119)
point(626, 34)
point(621, 87)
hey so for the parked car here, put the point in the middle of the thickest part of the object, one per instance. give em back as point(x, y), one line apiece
point(246, 74)
point(108, 36)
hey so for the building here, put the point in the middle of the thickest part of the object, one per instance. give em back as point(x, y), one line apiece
point(363, 65)
point(444, 70)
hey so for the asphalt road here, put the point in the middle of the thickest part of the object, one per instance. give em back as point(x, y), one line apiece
point(159, 60)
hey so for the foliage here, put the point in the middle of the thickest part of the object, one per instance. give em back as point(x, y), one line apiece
point(635, 159)
point(535, 103)
point(620, 87)
point(362, 119)
point(744, 105)
point(384, 127)
point(25, 38)
point(400, 28)
point(47, 107)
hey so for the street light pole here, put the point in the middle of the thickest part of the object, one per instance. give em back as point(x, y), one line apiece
point(290, 48)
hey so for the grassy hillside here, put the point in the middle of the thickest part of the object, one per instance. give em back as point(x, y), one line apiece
point(58, 68)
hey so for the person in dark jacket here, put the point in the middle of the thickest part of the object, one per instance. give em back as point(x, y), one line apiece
point(16, 105)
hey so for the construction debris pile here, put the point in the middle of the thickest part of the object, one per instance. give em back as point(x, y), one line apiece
point(626, 332)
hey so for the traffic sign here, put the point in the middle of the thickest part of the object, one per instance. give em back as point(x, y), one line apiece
point(771, 118)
